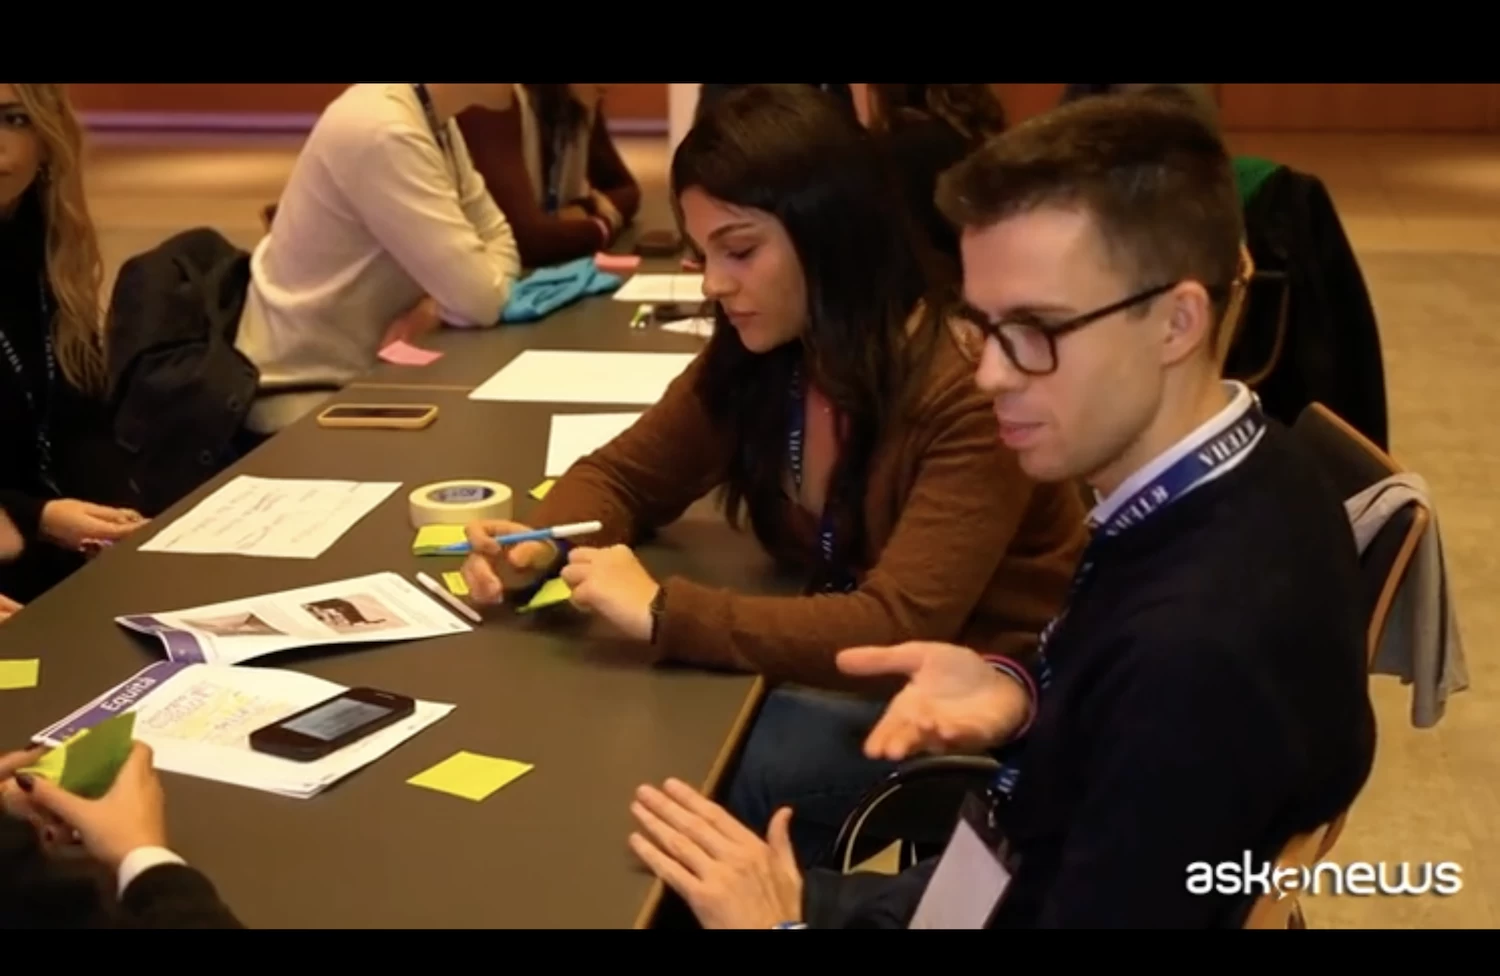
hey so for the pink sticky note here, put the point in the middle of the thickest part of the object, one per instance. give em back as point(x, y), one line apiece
point(405, 354)
point(617, 262)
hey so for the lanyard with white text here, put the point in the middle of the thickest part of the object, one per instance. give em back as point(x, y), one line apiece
point(835, 581)
point(1198, 466)
point(41, 414)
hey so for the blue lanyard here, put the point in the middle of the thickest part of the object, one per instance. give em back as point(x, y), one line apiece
point(837, 581)
point(41, 415)
point(439, 131)
point(1195, 468)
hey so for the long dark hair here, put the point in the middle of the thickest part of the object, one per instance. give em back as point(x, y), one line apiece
point(796, 153)
point(972, 111)
point(555, 108)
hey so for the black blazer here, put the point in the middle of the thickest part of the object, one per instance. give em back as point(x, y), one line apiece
point(37, 891)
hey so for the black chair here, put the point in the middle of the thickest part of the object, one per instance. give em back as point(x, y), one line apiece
point(916, 806)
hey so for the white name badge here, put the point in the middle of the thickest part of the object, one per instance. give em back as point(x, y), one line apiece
point(970, 878)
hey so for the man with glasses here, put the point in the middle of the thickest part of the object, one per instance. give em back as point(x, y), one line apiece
point(1202, 697)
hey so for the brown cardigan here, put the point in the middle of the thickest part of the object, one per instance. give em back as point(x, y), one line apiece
point(544, 239)
point(962, 546)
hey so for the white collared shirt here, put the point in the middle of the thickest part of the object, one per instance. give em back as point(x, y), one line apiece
point(1241, 400)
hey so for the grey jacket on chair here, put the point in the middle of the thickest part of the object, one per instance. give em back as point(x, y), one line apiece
point(1421, 643)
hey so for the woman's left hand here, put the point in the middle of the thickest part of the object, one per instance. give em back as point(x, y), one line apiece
point(612, 583)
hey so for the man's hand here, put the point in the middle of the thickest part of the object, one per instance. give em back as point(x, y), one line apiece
point(69, 523)
point(8, 608)
point(612, 583)
point(728, 876)
point(415, 322)
point(954, 701)
point(131, 815)
point(490, 570)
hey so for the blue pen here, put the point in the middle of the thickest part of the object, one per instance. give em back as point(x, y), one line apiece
point(535, 535)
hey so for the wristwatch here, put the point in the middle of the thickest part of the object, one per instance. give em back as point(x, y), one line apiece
point(658, 608)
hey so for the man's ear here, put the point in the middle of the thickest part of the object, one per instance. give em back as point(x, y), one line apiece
point(1190, 325)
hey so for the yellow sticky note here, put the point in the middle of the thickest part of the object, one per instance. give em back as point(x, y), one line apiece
point(553, 592)
point(15, 675)
point(431, 538)
point(540, 491)
point(470, 775)
point(455, 583)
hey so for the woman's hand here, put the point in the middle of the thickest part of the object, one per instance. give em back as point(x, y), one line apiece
point(16, 803)
point(130, 816)
point(491, 571)
point(69, 523)
point(612, 583)
point(416, 321)
point(605, 207)
point(8, 608)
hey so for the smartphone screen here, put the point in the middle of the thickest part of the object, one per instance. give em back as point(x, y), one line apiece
point(376, 413)
point(336, 718)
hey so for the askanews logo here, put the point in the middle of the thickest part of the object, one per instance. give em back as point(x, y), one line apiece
point(1359, 878)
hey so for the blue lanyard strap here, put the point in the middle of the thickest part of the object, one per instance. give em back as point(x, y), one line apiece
point(838, 581)
point(41, 414)
point(439, 131)
point(1200, 465)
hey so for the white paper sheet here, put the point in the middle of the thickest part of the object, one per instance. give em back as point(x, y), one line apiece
point(382, 607)
point(555, 376)
point(197, 719)
point(277, 517)
point(578, 434)
point(666, 288)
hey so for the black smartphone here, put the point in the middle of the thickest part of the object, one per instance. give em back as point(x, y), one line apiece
point(331, 725)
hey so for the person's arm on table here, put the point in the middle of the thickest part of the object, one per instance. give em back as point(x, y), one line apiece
point(610, 177)
point(542, 238)
point(401, 185)
point(958, 522)
point(644, 478)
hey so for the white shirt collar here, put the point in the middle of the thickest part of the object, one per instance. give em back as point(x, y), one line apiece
point(1240, 401)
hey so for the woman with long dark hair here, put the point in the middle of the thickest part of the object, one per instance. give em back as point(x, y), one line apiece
point(925, 130)
point(834, 409)
point(57, 462)
point(553, 169)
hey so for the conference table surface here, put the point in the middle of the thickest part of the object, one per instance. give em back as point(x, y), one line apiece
point(554, 689)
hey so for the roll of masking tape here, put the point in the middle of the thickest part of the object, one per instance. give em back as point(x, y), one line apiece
point(459, 502)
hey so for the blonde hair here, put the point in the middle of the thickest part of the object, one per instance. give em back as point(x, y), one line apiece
point(75, 272)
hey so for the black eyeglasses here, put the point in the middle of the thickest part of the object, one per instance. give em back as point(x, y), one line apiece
point(1029, 345)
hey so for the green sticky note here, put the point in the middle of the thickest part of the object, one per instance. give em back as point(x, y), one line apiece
point(16, 675)
point(553, 592)
point(470, 775)
point(87, 763)
point(431, 538)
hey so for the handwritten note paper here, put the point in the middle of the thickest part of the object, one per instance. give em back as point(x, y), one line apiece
point(272, 517)
point(18, 675)
point(470, 775)
point(404, 354)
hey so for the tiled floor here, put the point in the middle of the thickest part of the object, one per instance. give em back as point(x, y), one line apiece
point(1424, 215)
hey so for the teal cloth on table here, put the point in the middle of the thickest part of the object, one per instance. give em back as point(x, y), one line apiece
point(546, 290)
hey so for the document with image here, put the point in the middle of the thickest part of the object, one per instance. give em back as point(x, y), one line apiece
point(382, 607)
point(197, 719)
point(289, 518)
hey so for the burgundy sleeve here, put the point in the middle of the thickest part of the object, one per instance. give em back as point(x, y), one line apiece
point(494, 141)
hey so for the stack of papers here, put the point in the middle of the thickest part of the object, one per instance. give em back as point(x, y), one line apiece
point(197, 719)
point(382, 607)
point(278, 517)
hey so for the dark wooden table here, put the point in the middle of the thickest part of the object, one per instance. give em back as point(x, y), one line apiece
point(554, 689)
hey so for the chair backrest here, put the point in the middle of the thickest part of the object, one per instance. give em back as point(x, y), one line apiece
point(916, 806)
point(1273, 911)
point(1353, 463)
